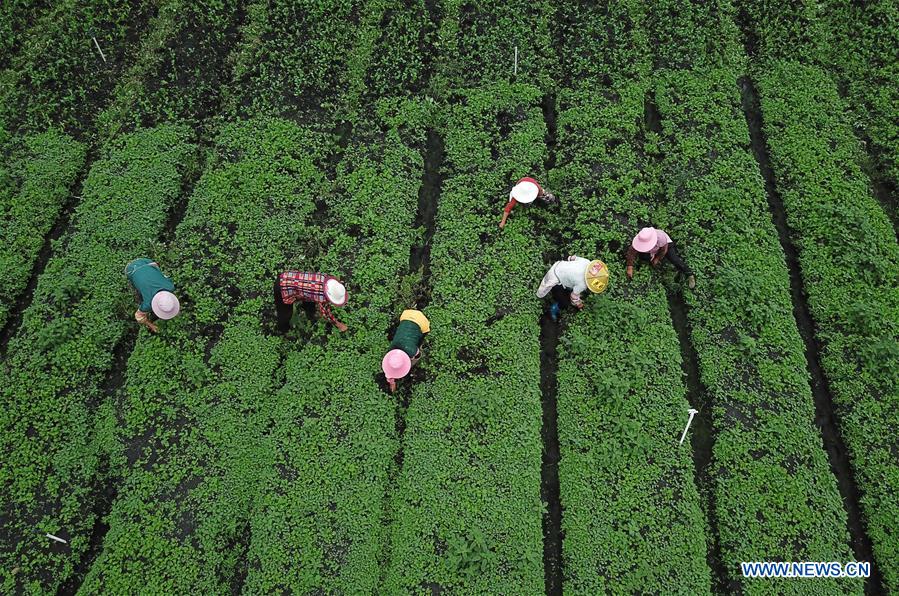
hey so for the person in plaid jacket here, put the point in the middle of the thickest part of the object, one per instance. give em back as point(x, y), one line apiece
point(310, 289)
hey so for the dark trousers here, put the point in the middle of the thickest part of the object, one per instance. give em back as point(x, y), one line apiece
point(561, 295)
point(672, 257)
point(285, 311)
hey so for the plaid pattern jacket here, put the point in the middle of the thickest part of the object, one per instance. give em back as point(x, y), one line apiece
point(306, 287)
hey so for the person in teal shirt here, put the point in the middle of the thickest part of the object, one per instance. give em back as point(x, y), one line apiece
point(404, 351)
point(153, 291)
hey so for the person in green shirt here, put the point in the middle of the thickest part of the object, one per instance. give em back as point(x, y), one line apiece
point(153, 291)
point(405, 349)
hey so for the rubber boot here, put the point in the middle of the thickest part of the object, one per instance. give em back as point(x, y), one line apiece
point(554, 312)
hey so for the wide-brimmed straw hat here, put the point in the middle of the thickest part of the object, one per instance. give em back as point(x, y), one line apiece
point(165, 305)
point(524, 192)
point(336, 292)
point(597, 282)
point(646, 240)
point(396, 364)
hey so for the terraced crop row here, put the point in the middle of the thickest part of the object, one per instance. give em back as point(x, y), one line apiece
point(467, 511)
point(776, 497)
point(849, 262)
point(55, 417)
point(41, 173)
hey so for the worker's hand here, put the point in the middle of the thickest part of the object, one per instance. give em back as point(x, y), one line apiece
point(341, 326)
point(655, 261)
point(502, 222)
point(392, 384)
point(580, 306)
point(630, 273)
point(152, 327)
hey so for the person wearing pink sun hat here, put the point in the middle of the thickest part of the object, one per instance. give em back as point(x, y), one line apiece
point(153, 291)
point(405, 349)
point(653, 245)
point(525, 191)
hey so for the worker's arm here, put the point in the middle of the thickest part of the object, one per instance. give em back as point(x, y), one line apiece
point(507, 211)
point(659, 256)
point(630, 258)
point(144, 319)
point(325, 310)
point(392, 384)
point(576, 300)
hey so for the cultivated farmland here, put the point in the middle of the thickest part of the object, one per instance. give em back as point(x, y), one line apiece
point(230, 140)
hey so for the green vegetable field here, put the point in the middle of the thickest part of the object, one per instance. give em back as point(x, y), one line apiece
point(378, 141)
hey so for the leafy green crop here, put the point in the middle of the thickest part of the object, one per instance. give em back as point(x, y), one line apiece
point(849, 261)
point(46, 166)
point(52, 381)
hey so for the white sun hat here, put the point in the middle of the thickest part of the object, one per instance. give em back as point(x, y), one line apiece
point(524, 192)
point(336, 292)
point(165, 305)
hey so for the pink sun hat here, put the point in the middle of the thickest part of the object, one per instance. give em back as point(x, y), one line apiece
point(165, 305)
point(524, 192)
point(646, 240)
point(396, 364)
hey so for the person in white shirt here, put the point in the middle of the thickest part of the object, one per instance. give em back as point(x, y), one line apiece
point(576, 275)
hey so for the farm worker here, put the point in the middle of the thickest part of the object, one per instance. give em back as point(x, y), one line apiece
point(653, 245)
point(575, 275)
point(405, 349)
point(525, 191)
point(153, 291)
point(310, 289)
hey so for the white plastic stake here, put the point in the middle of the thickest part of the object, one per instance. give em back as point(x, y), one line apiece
point(98, 49)
point(56, 538)
point(689, 420)
point(515, 70)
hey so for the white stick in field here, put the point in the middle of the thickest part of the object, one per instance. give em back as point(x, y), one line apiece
point(515, 69)
point(56, 538)
point(689, 420)
point(98, 49)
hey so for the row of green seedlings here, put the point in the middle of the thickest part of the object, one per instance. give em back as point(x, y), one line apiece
point(632, 514)
point(36, 180)
point(776, 498)
point(199, 397)
point(633, 517)
point(47, 165)
point(68, 63)
point(56, 417)
point(276, 447)
point(303, 61)
point(182, 67)
point(155, 60)
point(849, 263)
point(251, 557)
point(466, 512)
point(483, 42)
point(333, 436)
point(855, 42)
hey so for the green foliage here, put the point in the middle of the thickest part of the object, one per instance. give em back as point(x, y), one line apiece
point(849, 261)
point(776, 498)
point(51, 384)
point(47, 166)
point(472, 441)
point(58, 77)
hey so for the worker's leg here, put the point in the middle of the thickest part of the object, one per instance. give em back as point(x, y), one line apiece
point(310, 307)
point(284, 311)
point(676, 260)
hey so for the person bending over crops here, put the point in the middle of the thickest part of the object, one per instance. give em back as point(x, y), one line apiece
point(653, 245)
point(311, 289)
point(153, 291)
point(405, 349)
point(525, 191)
point(574, 275)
